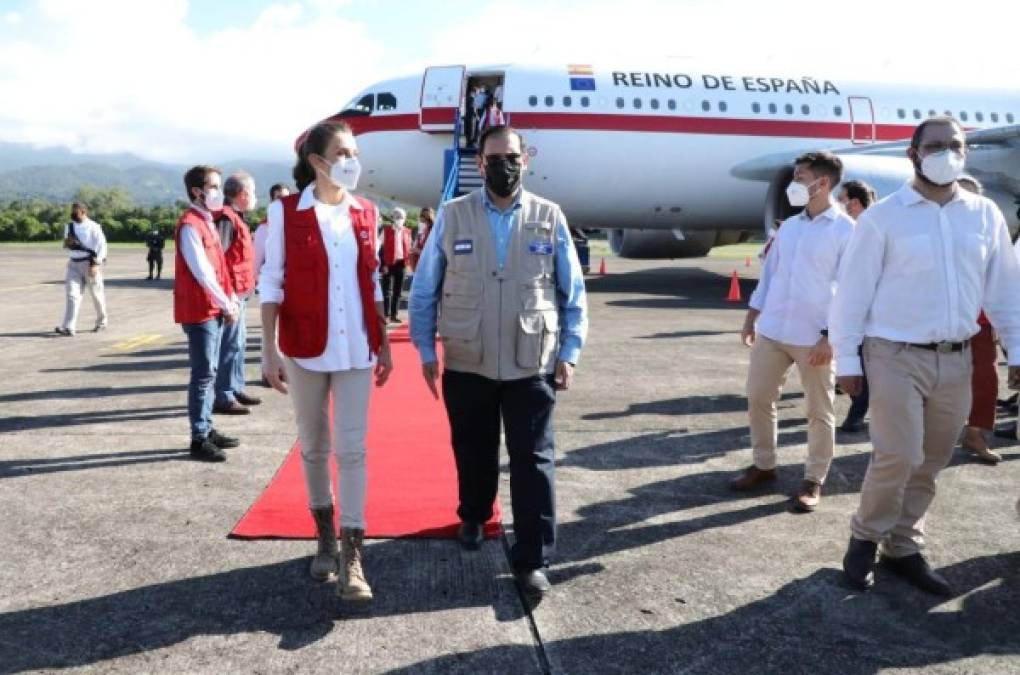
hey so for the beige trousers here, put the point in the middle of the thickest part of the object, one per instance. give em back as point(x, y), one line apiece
point(310, 391)
point(75, 280)
point(919, 403)
point(770, 365)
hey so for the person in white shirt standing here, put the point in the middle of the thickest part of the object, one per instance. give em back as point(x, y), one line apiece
point(921, 265)
point(87, 244)
point(278, 190)
point(788, 322)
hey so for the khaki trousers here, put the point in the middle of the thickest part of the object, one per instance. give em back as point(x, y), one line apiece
point(310, 391)
point(75, 279)
point(770, 365)
point(919, 402)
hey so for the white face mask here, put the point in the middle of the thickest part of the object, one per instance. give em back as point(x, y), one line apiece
point(345, 172)
point(214, 199)
point(942, 168)
point(798, 194)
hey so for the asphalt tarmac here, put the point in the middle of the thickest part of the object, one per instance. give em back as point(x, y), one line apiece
point(114, 555)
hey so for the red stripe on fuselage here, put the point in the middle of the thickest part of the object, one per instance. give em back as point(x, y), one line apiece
point(720, 126)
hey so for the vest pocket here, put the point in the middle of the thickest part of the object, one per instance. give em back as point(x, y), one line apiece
point(537, 338)
point(538, 295)
point(458, 329)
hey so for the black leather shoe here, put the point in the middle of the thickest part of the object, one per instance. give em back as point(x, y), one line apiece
point(859, 563)
point(232, 408)
point(533, 582)
point(221, 441)
point(204, 450)
point(471, 535)
point(244, 399)
point(915, 570)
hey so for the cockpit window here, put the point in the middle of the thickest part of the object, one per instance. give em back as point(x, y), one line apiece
point(386, 101)
point(361, 106)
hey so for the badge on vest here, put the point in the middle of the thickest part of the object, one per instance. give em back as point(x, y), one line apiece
point(540, 247)
point(463, 246)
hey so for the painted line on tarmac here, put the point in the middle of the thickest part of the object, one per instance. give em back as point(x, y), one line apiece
point(137, 341)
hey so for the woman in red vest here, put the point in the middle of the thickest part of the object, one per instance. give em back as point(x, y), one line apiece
point(320, 281)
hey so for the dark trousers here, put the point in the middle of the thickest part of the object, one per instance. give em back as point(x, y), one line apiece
point(985, 381)
point(392, 285)
point(156, 261)
point(475, 406)
point(859, 403)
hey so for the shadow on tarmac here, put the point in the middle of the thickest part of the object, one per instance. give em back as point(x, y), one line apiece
point(15, 468)
point(74, 419)
point(687, 405)
point(893, 626)
point(675, 288)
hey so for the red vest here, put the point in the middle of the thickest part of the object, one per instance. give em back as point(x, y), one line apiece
point(389, 244)
point(240, 256)
point(304, 313)
point(192, 303)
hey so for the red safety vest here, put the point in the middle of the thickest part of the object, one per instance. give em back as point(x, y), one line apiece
point(304, 313)
point(389, 244)
point(240, 256)
point(192, 302)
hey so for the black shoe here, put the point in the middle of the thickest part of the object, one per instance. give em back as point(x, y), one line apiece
point(852, 426)
point(232, 408)
point(859, 563)
point(244, 399)
point(148, 278)
point(221, 441)
point(471, 535)
point(533, 582)
point(204, 450)
point(915, 570)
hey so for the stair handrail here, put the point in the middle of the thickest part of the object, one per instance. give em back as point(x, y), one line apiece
point(450, 187)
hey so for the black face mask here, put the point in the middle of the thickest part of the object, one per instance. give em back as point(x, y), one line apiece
point(502, 176)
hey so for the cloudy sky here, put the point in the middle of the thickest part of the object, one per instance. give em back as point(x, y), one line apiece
point(191, 80)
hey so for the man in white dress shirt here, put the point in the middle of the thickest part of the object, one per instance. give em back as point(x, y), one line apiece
point(921, 265)
point(788, 322)
point(87, 244)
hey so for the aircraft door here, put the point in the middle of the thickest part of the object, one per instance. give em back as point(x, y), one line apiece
point(442, 90)
point(862, 120)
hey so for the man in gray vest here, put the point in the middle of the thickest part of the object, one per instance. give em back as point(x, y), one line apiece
point(500, 280)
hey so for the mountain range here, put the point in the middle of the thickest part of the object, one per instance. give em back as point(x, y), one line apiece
point(56, 173)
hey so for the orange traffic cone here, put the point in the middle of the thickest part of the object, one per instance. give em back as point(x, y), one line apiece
point(602, 267)
point(734, 295)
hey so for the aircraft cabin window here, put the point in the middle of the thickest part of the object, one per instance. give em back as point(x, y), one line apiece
point(755, 107)
point(671, 104)
point(837, 111)
point(948, 113)
point(363, 106)
point(901, 113)
point(917, 114)
point(963, 115)
point(805, 109)
point(1009, 117)
point(549, 100)
point(706, 106)
point(567, 102)
point(585, 101)
point(386, 101)
point(995, 117)
point(789, 108)
point(932, 113)
point(772, 108)
point(532, 101)
point(654, 103)
point(722, 106)
point(979, 116)
point(637, 103)
point(619, 102)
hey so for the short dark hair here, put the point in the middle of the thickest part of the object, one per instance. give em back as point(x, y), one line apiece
point(915, 140)
point(861, 191)
point(499, 130)
point(81, 206)
point(276, 189)
point(823, 163)
point(195, 177)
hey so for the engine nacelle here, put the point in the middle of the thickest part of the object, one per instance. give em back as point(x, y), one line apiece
point(668, 244)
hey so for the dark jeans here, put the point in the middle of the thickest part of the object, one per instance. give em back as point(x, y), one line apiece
point(859, 404)
point(156, 261)
point(475, 406)
point(233, 344)
point(392, 285)
point(204, 354)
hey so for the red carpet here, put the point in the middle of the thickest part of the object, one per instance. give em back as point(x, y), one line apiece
point(412, 478)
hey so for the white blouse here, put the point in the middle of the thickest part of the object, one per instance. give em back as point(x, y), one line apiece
point(347, 339)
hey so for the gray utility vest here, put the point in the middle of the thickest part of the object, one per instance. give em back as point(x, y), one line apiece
point(500, 324)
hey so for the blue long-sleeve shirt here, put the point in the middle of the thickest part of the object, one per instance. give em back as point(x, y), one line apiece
point(427, 287)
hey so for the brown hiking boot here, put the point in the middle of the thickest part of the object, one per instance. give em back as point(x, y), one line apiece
point(325, 563)
point(353, 585)
point(808, 497)
point(752, 478)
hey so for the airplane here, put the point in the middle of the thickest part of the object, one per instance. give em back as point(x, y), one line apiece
point(671, 162)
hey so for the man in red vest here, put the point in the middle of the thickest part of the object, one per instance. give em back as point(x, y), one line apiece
point(239, 254)
point(396, 250)
point(204, 300)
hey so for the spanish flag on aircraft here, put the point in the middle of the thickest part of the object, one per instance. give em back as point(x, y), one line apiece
point(582, 77)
